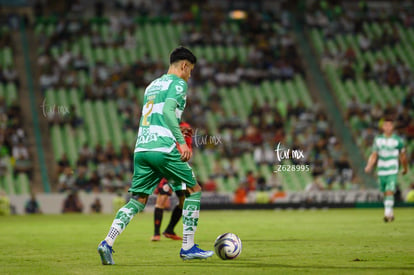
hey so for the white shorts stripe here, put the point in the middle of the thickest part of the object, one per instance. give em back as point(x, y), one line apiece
point(160, 149)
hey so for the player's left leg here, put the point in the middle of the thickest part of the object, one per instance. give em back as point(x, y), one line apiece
point(388, 206)
point(390, 186)
point(144, 181)
point(122, 219)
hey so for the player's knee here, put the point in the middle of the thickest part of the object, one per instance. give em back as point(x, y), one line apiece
point(141, 197)
point(194, 189)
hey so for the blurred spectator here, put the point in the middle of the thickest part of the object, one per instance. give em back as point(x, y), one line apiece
point(74, 120)
point(353, 107)
point(72, 203)
point(364, 42)
point(86, 152)
point(392, 76)
point(344, 169)
point(210, 185)
point(409, 130)
point(96, 206)
point(81, 181)
point(403, 119)
point(32, 205)
point(408, 101)
point(3, 166)
point(79, 63)
point(63, 163)
point(251, 181)
point(23, 163)
point(348, 72)
point(66, 180)
point(240, 194)
point(95, 182)
point(261, 183)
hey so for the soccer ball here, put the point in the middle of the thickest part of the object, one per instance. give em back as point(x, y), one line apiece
point(228, 246)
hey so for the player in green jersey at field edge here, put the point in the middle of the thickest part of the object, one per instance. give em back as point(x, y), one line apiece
point(161, 152)
point(388, 149)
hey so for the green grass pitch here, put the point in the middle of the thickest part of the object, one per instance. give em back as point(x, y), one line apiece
point(348, 241)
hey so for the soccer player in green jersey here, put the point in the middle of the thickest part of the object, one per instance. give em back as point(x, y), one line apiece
point(161, 152)
point(388, 149)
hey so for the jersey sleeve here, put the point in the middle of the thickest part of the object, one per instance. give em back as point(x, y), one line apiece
point(171, 120)
point(175, 103)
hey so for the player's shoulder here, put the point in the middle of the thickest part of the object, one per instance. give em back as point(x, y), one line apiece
point(179, 86)
point(378, 137)
point(399, 138)
point(179, 82)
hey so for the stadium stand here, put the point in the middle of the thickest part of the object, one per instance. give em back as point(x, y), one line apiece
point(15, 154)
point(247, 95)
point(367, 54)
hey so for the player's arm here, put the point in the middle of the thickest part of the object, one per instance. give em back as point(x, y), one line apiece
point(371, 162)
point(172, 123)
point(404, 162)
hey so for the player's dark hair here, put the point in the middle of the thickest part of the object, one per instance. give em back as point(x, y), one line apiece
point(389, 118)
point(182, 53)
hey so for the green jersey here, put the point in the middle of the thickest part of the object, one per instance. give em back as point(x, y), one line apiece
point(154, 134)
point(388, 150)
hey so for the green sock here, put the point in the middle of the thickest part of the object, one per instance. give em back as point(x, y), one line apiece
point(191, 211)
point(122, 219)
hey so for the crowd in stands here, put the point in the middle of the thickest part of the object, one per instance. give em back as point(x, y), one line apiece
point(8, 73)
point(309, 132)
point(365, 119)
point(337, 20)
point(97, 169)
point(14, 150)
point(363, 115)
point(271, 55)
point(15, 156)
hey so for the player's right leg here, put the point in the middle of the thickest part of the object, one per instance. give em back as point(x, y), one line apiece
point(181, 172)
point(388, 186)
point(191, 210)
